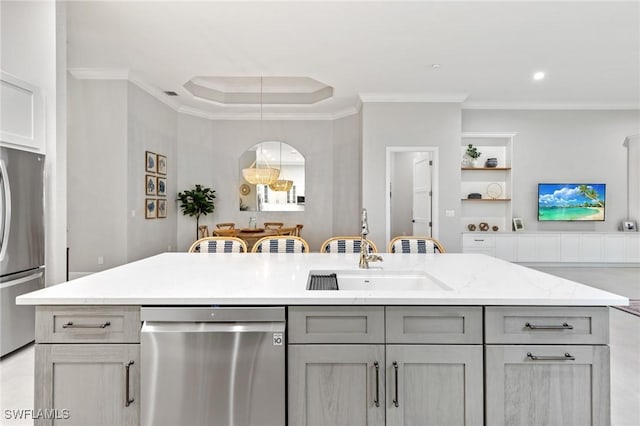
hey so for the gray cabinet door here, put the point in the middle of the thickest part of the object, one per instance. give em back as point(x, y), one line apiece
point(336, 385)
point(88, 383)
point(547, 385)
point(434, 385)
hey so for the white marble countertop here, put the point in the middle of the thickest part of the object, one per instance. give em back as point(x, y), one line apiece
point(280, 279)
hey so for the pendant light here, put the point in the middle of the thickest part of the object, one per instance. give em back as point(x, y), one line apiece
point(281, 185)
point(260, 175)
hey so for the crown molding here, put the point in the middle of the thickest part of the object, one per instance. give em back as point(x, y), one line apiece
point(413, 97)
point(123, 74)
point(99, 73)
point(558, 106)
point(267, 117)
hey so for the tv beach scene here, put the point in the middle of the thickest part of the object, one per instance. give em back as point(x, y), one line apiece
point(571, 201)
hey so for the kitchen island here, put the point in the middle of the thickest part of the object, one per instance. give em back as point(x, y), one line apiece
point(485, 341)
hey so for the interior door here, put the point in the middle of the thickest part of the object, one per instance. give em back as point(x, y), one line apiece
point(422, 196)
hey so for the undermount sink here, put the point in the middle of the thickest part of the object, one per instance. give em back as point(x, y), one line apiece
point(378, 279)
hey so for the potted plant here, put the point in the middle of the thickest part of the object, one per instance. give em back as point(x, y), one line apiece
point(196, 202)
point(471, 155)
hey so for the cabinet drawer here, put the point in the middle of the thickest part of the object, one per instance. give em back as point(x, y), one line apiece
point(339, 324)
point(88, 324)
point(561, 325)
point(474, 240)
point(434, 324)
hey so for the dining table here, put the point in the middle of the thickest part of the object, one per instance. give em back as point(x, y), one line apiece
point(251, 235)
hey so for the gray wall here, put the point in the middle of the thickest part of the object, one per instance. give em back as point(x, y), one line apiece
point(151, 126)
point(97, 174)
point(563, 146)
point(411, 124)
point(111, 124)
point(209, 153)
point(347, 172)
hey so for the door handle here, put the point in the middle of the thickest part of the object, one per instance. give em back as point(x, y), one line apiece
point(376, 401)
point(567, 357)
point(70, 324)
point(6, 210)
point(127, 397)
point(396, 400)
point(564, 326)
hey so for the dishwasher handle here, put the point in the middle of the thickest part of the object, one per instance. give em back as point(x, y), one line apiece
point(212, 327)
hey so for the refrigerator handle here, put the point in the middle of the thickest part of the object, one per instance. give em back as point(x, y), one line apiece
point(6, 209)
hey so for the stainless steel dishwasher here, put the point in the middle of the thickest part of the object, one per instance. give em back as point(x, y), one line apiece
point(212, 366)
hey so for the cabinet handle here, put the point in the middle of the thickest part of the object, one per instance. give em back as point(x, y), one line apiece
point(564, 326)
point(376, 401)
point(396, 400)
point(567, 357)
point(478, 241)
point(72, 325)
point(127, 399)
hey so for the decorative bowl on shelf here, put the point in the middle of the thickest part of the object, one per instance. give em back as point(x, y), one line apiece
point(491, 162)
point(474, 196)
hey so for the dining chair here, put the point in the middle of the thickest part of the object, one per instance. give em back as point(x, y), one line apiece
point(299, 227)
point(226, 225)
point(280, 244)
point(273, 225)
point(225, 232)
point(203, 231)
point(218, 245)
point(287, 231)
point(413, 244)
point(345, 245)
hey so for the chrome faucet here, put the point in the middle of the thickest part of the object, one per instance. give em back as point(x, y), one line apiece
point(365, 257)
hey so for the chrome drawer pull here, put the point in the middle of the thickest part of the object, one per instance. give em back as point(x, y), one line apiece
point(377, 400)
point(127, 399)
point(564, 326)
point(72, 325)
point(396, 401)
point(567, 357)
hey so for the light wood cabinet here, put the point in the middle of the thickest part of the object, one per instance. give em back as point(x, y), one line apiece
point(406, 381)
point(341, 385)
point(434, 385)
point(546, 365)
point(94, 384)
point(547, 385)
point(87, 364)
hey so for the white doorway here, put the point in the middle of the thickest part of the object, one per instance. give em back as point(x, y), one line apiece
point(411, 191)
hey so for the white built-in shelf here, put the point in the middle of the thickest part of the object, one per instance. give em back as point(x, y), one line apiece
point(486, 199)
point(487, 168)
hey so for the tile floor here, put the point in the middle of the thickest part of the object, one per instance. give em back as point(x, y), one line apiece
point(16, 370)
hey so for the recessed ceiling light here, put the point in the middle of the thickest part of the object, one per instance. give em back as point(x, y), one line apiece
point(538, 76)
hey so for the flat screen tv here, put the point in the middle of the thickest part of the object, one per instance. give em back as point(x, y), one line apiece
point(571, 201)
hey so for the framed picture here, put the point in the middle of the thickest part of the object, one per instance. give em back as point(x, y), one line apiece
point(150, 162)
point(162, 164)
point(629, 226)
point(162, 187)
point(150, 185)
point(518, 224)
point(150, 208)
point(162, 209)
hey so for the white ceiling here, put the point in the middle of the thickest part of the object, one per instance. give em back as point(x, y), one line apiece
point(384, 50)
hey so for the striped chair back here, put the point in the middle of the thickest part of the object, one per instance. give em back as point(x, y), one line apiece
point(219, 245)
point(345, 245)
point(281, 244)
point(415, 245)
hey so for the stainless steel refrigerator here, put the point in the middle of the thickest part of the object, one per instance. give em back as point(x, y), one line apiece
point(21, 243)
